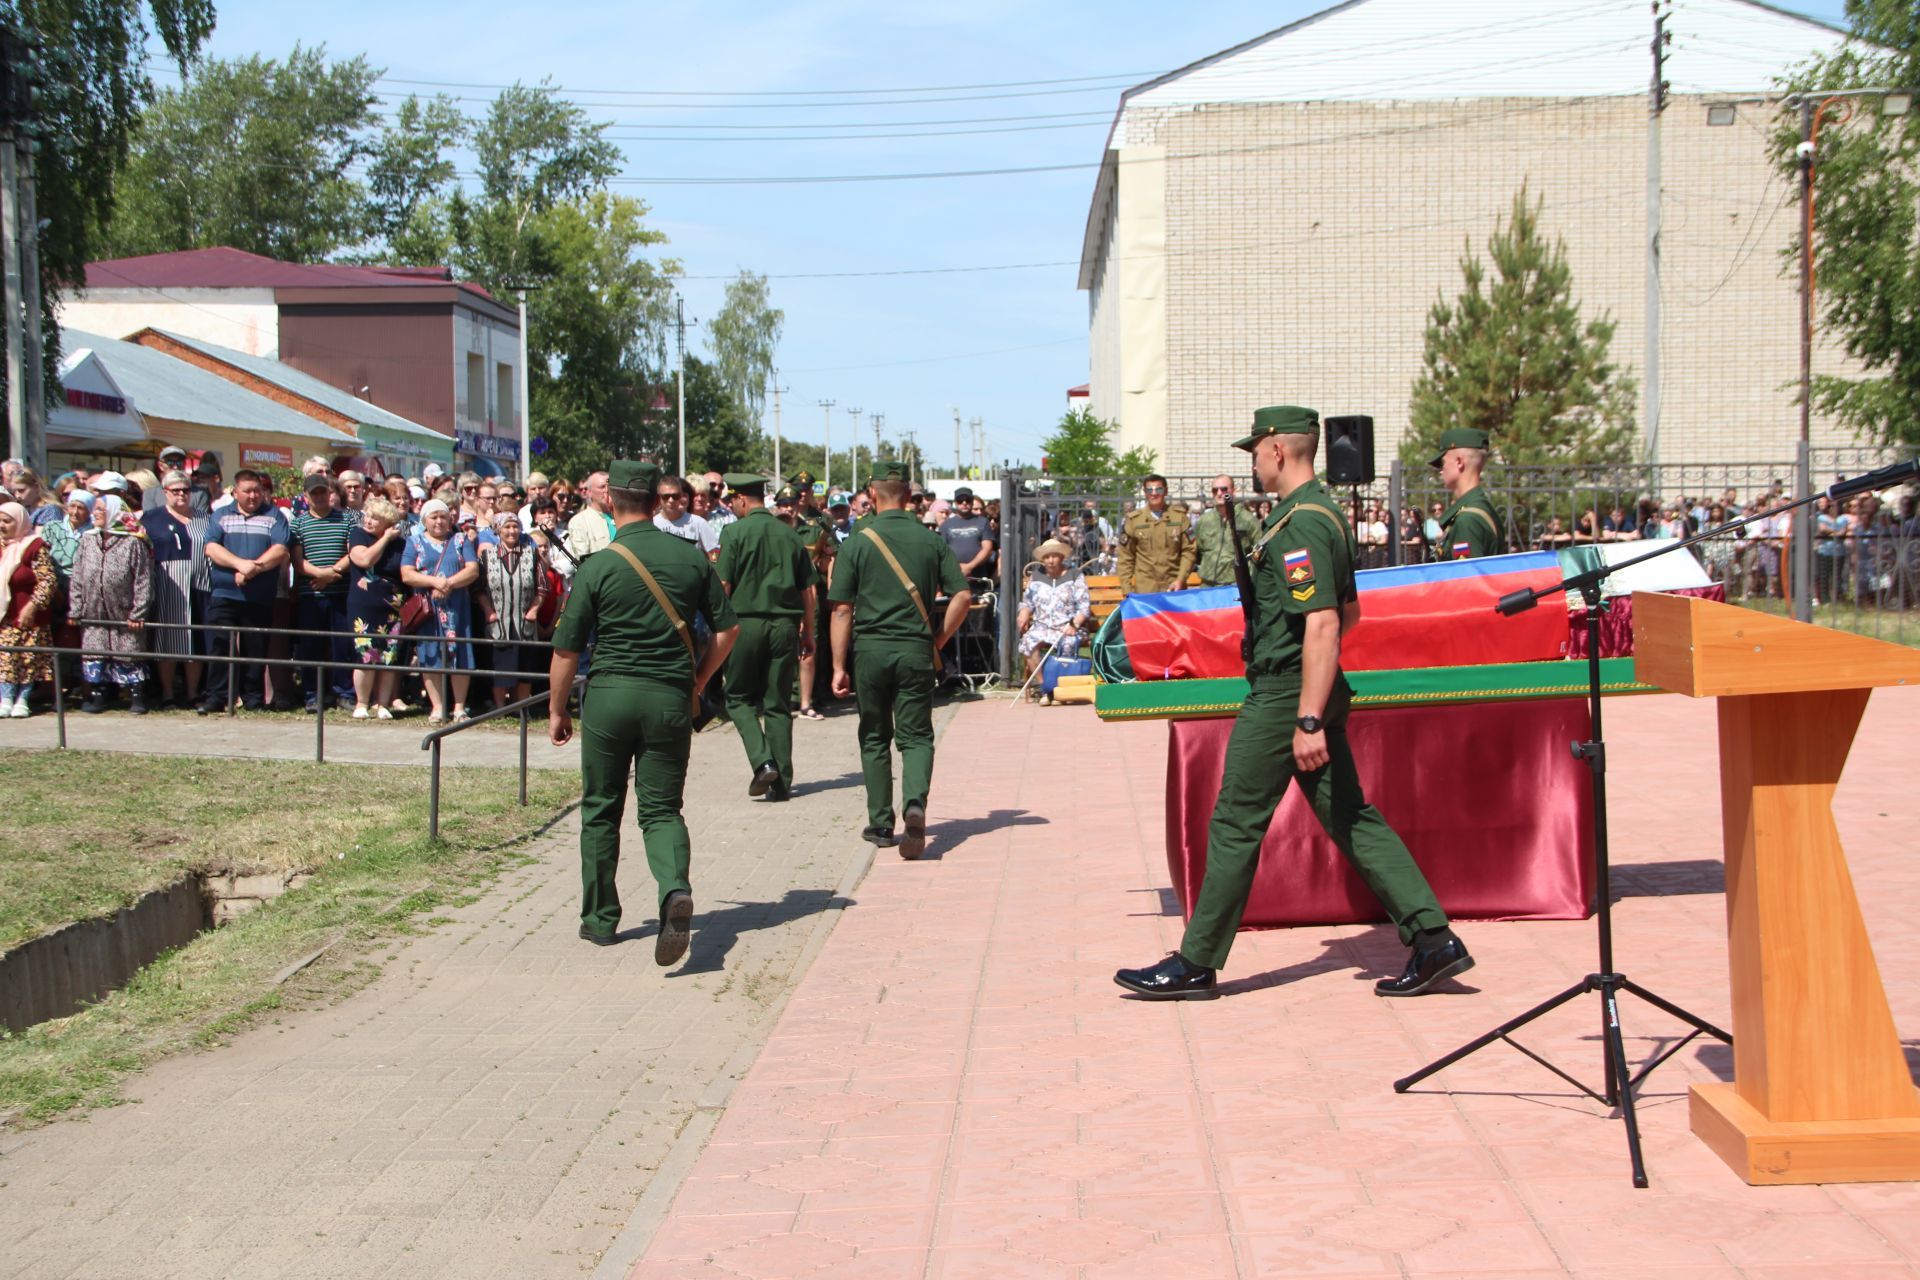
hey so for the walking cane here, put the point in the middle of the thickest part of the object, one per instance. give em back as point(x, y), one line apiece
point(1038, 667)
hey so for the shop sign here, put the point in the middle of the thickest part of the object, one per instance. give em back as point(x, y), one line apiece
point(94, 400)
point(486, 446)
point(265, 455)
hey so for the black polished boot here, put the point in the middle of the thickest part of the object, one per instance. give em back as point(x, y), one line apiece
point(914, 842)
point(96, 700)
point(879, 837)
point(1171, 979)
point(137, 698)
point(1433, 960)
point(765, 777)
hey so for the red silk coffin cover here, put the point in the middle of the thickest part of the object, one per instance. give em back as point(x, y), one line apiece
point(1491, 802)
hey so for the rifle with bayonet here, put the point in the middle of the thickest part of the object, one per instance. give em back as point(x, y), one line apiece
point(1243, 579)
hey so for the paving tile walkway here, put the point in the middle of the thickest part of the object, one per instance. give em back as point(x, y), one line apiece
point(957, 1089)
point(496, 1103)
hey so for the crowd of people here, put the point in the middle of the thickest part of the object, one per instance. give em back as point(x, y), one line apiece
point(152, 571)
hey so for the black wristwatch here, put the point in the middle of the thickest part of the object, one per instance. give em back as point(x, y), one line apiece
point(1309, 724)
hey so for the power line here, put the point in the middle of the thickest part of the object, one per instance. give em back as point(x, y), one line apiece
point(968, 355)
point(786, 93)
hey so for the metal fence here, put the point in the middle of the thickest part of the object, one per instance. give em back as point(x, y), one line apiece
point(1856, 568)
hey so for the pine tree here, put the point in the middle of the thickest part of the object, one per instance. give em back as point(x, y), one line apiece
point(1512, 357)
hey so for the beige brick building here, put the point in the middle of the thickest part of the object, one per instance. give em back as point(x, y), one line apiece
point(1272, 224)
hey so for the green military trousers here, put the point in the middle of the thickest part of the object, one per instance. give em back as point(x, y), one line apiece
point(631, 724)
point(1259, 766)
point(893, 682)
point(760, 680)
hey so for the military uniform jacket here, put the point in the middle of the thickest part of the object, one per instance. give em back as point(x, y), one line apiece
point(1156, 552)
point(812, 526)
point(1304, 563)
point(766, 565)
point(631, 636)
point(1470, 528)
point(882, 609)
point(1215, 544)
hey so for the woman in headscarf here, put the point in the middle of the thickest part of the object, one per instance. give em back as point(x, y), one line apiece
point(440, 565)
point(180, 587)
point(514, 575)
point(27, 586)
point(374, 592)
point(111, 594)
point(1055, 609)
point(63, 536)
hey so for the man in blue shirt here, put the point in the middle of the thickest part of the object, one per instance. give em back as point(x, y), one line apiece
point(320, 536)
point(246, 553)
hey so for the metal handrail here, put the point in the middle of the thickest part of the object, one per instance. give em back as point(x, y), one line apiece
point(431, 742)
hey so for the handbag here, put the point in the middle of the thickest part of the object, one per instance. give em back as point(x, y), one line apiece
point(415, 610)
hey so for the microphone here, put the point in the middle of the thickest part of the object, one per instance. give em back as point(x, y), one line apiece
point(1884, 478)
point(1517, 601)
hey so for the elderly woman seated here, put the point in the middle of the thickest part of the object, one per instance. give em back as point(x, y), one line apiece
point(1055, 609)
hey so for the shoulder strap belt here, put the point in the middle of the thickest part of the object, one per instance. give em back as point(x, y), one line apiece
point(886, 553)
point(1281, 523)
point(1476, 511)
point(666, 607)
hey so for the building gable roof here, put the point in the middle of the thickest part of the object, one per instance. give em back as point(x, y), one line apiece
point(222, 267)
point(161, 386)
point(305, 385)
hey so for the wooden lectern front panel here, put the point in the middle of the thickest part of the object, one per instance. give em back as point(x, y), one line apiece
point(1813, 1036)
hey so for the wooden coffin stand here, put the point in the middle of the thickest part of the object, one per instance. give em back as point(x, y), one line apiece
point(1821, 1090)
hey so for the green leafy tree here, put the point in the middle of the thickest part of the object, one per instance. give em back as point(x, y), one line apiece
point(720, 436)
point(1082, 445)
point(254, 153)
point(744, 336)
point(411, 181)
point(1865, 196)
point(89, 73)
point(1511, 356)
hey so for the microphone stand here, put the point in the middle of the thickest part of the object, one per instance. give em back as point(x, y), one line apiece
point(1609, 982)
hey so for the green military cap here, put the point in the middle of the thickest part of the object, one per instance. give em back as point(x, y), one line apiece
point(1278, 420)
point(1459, 438)
point(801, 480)
point(887, 471)
point(633, 475)
point(745, 482)
point(785, 494)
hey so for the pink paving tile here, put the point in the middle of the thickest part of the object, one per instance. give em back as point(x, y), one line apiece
point(957, 1089)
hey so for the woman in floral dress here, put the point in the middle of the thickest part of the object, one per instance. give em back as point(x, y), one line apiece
point(1056, 607)
point(112, 587)
point(440, 565)
point(374, 591)
point(27, 586)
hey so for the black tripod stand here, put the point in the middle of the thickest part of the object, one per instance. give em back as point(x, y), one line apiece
point(1609, 982)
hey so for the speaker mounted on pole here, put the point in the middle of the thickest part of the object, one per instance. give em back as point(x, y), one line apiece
point(1349, 449)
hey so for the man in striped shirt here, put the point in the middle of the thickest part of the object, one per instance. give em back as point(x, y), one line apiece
point(320, 586)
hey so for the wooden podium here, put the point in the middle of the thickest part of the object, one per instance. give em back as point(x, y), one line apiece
point(1821, 1090)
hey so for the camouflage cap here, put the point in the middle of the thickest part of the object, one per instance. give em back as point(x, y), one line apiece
point(1278, 420)
point(1460, 438)
point(633, 475)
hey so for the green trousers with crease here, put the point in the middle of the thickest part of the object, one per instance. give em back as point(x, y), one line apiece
point(760, 683)
point(630, 726)
point(1259, 768)
point(893, 682)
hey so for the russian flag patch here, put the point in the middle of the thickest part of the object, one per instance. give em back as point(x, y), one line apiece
point(1462, 550)
point(1298, 566)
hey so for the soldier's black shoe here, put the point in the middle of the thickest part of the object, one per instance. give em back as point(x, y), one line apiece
point(914, 842)
point(1171, 979)
point(598, 939)
point(676, 928)
point(1424, 968)
point(879, 837)
point(779, 793)
point(764, 777)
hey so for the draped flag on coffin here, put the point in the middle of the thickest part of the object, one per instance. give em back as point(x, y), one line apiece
point(1427, 615)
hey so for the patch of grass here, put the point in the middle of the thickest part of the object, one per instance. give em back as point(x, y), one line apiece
point(115, 826)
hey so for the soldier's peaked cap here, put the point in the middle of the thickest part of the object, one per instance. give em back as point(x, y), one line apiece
point(1278, 420)
point(746, 482)
point(887, 471)
point(633, 475)
point(1459, 438)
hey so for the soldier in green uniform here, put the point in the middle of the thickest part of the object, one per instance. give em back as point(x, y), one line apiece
point(1469, 527)
point(1293, 725)
point(637, 600)
point(810, 522)
point(1214, 540)
point(770, 577)
point(1156, 545)
point(884, 585)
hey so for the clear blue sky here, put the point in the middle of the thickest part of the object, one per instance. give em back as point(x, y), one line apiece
point(1001, 345)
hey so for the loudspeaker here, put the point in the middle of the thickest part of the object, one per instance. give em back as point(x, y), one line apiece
point(1349, 449)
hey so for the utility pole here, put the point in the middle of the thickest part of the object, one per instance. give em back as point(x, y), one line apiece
point(979, 445)
point(680, 373)
point(913, 458)
point(956, 442)
point(826, 409)
point(878, 418)
point(1656, 104)
point(777, 389)
point(853, 454)
point(526, 428)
